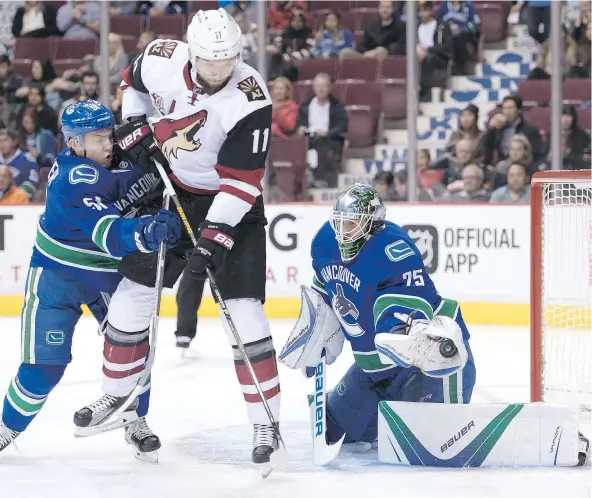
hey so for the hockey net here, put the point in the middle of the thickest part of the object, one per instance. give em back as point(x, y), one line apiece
point(561, 282)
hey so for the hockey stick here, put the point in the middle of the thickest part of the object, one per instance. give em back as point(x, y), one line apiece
point(323, 453)
point(278, 458)
point(103, 425)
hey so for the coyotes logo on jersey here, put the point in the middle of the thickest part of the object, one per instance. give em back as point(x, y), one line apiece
point(163, 49)
point(175, 135)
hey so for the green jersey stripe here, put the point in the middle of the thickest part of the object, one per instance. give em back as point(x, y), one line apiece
point(101, 230)
point(401, 300)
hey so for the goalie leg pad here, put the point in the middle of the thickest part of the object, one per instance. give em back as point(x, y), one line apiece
point(477, 435)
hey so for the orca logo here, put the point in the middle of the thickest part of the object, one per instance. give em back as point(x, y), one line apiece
point(346, 313)
point(291, 237)
point(426, 240)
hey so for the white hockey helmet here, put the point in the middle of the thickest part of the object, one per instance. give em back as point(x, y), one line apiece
point(215, 42)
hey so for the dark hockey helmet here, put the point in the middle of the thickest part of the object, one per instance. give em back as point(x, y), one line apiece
point(358, 213)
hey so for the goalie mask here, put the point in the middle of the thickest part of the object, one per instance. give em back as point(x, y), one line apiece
point(357, 215)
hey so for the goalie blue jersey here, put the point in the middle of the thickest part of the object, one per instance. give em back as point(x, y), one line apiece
point(387, 277)
point(85, 230)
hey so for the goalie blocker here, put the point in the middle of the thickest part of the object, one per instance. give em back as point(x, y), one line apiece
point(479, 435)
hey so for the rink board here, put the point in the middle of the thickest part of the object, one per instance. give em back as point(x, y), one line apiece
point(478, 255)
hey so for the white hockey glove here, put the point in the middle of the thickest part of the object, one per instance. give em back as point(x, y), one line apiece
point(436, 347)
point(317, 328)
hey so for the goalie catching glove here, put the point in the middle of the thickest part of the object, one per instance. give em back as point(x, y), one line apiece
point(435, 346)
point(316, 330)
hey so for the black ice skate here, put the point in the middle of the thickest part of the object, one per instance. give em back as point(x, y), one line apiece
point(144, 441)
point(583, 449)
point(7, 436)
point(89, 420)
point(183, 343)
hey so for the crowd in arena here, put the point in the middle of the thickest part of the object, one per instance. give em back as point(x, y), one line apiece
point(336, 72)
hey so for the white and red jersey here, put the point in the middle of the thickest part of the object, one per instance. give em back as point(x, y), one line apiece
point(215, 144)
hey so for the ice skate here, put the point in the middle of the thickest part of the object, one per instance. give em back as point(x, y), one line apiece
point(183, 343)
point(264, 444)
point(7, 436)
point(88, 420)
point(143, 440)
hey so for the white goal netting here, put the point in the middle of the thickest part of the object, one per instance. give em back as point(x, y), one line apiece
point(566, 251)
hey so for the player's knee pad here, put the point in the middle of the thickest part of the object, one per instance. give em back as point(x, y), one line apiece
point(28, 392)
point(131, 306)
point(253, 328)
point(124, 355)
point(353, 404)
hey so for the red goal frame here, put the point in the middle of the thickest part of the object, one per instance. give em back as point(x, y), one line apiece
point(539, 180)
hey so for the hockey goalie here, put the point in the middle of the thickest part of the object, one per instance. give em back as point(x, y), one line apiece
point(413, 372)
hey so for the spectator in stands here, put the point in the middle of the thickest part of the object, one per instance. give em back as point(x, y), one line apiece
point(10, 194)
point(295, 45)
point(502, 127)
point(468, 128)
point(575, 142)
point(25, 171)
point(544, 68)
point(249, 30)
point(517, 188)
point(42, 74)
point(429, 179)
point(116, 104)
point(118, 59)
point(520, 152)
point(153, 9)
point(35, 19)
point(122, 7)
point(280, 14)
point(582, 34)
point(45, 116)
point(384, 182)
point(144, 40)
point(386, 36)
point(39, 142)
point(89, 89)
point(246, 7)
point(324, 119)
point(472, 186)
point(538, 18)
point(79, 20)
point(285, 108)
point(465, 26)
point(333, 39)
point(400, 189)
point(10, 82)
point(453, 164)
point(434, 48)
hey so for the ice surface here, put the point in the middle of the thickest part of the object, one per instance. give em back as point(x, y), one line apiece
point(198, 411)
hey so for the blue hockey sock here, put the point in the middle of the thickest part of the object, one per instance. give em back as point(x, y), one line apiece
point(28, 392)
point(144, 399)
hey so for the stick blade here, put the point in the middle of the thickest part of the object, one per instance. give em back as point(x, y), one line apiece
point(325, 453)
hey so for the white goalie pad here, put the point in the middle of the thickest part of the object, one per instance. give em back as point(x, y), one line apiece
point(317, 328)
point(427, 346)
point(477, 435)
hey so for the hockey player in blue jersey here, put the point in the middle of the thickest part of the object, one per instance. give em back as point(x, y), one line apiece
point(370, 287)
point(88, 226)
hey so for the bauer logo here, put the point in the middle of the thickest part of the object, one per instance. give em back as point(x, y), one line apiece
point(426, 240)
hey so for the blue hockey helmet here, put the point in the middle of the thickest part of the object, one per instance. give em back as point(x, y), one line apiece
point(85, 117)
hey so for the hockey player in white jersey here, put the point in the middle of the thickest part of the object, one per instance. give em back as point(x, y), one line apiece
point(198, 109)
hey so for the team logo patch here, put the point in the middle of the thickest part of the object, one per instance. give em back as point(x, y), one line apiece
point(175, 135)
point(346, 313)
point(163, 49)
point(426, 240)
point(251, 89)
point(83, 174)
point(54, 337)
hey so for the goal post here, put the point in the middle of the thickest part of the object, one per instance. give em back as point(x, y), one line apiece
point(561, 279)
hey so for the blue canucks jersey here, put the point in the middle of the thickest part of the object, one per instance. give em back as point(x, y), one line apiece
point(387, 277)
point(85, 230)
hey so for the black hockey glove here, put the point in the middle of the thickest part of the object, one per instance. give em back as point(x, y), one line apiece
point(137, 140)
point(215, 240)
